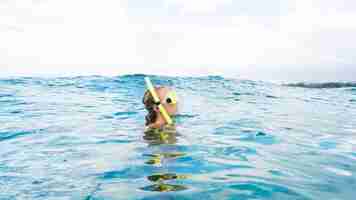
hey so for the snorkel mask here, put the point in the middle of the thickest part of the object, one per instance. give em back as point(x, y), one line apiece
point(171, 98)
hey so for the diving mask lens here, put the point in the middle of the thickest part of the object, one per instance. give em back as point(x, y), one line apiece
point(171, 98)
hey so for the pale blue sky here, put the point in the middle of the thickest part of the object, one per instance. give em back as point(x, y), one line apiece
point(273, 40)
point(223, 8)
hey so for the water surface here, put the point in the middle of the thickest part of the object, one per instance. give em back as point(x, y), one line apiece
point(82, 138)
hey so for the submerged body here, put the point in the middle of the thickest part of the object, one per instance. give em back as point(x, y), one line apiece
point(161, 104)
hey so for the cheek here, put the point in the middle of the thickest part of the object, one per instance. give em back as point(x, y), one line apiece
point(172, 109)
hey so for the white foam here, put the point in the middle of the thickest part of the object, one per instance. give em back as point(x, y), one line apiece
point(340, 172)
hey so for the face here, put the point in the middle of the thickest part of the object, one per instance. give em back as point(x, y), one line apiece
point(162, 93)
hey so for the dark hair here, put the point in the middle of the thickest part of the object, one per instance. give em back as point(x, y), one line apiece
point(149, 103)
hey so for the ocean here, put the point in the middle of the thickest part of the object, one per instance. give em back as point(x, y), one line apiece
point(83, 138)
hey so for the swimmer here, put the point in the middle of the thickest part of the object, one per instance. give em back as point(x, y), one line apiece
point(161, 104)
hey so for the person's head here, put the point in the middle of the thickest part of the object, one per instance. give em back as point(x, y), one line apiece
point(167, 98)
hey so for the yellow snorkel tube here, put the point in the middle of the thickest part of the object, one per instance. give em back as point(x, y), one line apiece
point(157, 101)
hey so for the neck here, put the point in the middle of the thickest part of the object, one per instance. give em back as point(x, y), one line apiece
point(159, 122)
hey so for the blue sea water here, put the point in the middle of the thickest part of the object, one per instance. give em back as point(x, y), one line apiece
point(82, 138)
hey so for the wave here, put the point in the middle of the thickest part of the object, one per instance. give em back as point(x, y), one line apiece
point(26, 79)
point(322, 85)
point(105, 82)
point(7, 135)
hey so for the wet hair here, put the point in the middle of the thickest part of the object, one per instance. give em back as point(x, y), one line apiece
point(149, 103)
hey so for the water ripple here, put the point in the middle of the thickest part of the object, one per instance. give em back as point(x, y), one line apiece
point(82, 138)
point(8, 135)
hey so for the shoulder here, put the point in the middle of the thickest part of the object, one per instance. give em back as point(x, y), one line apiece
point(170, 128)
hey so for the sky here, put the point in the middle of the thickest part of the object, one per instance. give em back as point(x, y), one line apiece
point(272, 40)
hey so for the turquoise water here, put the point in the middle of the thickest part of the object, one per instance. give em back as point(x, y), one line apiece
point(82, 138)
